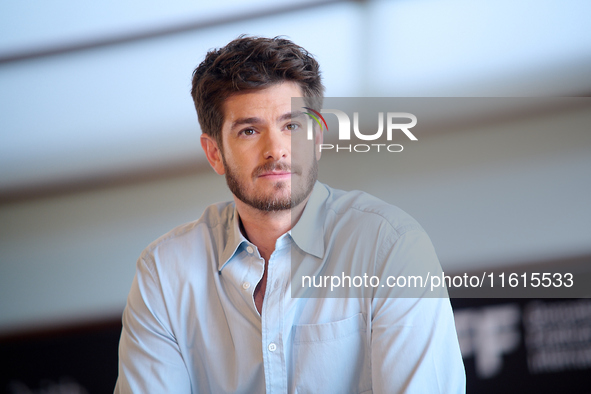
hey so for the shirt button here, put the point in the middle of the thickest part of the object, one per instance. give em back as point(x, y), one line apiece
point(245, 285)
point(272, 347)
point(249, 249)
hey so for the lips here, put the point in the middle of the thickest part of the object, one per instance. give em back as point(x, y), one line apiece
point(274, 176)
point(275, 173)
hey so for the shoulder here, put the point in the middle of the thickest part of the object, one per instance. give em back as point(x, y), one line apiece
point(362, 207)
point(210, 229)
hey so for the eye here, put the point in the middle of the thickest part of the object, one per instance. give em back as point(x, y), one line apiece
point(292, 126)
point(247, 132)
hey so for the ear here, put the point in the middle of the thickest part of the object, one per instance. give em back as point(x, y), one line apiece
point(213, 153)
point(318, 140)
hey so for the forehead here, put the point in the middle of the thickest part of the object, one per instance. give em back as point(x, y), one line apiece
point(270, 101)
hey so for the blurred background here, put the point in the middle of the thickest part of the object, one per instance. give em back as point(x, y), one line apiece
point(100, 155)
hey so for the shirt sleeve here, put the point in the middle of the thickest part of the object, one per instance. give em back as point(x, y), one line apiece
point(414, 345)
point(149, 357)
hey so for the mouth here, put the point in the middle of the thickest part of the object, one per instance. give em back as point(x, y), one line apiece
point(273, 175)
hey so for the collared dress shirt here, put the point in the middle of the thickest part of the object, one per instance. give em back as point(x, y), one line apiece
point(191, 326)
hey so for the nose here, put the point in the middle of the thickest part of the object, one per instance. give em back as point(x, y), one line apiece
point(277, 145)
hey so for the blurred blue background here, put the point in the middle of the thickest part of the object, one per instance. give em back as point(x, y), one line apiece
point(99, 141)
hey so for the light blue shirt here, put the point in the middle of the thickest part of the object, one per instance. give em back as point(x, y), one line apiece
point(191, 325)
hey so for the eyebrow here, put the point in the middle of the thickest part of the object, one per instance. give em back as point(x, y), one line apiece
point(257, 120)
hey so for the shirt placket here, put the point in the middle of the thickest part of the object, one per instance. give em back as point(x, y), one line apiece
point(272, 322)
point(253, 274)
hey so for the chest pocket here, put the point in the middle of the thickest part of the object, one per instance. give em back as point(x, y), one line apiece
point(332, 357)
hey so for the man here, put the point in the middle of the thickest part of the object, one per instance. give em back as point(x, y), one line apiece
point(211, 307)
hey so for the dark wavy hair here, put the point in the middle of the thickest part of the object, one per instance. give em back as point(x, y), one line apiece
point(251, 63)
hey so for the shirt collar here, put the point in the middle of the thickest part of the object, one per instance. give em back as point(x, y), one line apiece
point(308, 233)
point(234, 238)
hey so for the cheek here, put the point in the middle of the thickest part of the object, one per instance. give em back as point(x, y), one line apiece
point(240, 162)
point(305, 149)
point(317, 152)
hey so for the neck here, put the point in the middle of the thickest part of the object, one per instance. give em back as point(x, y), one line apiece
point(263, 228)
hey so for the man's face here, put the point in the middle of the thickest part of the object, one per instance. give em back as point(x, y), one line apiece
point(259, 135)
